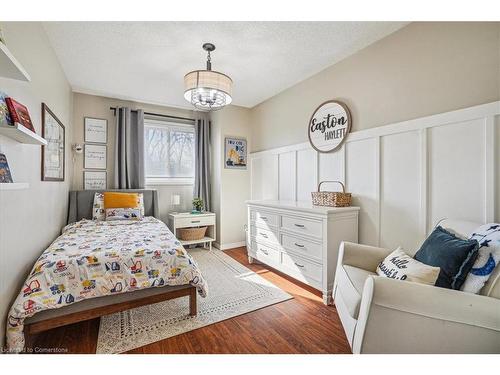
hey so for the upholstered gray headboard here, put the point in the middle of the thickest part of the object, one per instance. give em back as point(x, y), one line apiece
point(81, 202)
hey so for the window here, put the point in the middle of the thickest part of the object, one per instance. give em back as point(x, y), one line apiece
point(168, 152)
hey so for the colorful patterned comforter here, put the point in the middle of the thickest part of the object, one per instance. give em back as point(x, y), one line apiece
point(98, 258)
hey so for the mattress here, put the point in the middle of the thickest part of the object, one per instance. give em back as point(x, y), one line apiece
point(100, 258)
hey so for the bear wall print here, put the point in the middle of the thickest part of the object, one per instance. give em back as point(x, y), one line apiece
point(329, 126)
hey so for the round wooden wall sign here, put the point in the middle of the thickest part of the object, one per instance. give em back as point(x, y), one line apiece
point(329, 126)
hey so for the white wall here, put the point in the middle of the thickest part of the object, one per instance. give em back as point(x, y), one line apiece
point(230, 187)
point(31, 219)
point(404, 176)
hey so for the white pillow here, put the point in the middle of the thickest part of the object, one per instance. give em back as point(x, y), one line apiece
point(113, 214)
point(141, 204)
point(488, 236)
point(98, 211)
point(397, 265)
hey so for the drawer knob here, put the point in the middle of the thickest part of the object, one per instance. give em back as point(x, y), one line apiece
point(299, 265)
point(263, 218)
point(195, 221)
point(298, 245)
point(300, 225)
point(264, 251)
point(263, 235)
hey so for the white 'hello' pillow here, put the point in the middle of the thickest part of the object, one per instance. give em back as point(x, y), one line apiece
point(398, 265)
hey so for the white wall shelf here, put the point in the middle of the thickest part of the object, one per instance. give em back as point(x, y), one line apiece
point(14, 186)
point(10, 67)
point(21, 134)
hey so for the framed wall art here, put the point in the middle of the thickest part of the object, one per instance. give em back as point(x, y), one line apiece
point(96, 130)
point(95, 156)
point(94, 180)
point(53, 154)
point(235, 153)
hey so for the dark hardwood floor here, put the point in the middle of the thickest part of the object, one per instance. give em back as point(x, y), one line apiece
point(300, 325)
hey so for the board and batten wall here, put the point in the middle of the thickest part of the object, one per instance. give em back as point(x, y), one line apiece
point(405, 176)
point(30, 219)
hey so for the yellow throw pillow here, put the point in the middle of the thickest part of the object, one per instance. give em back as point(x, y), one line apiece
point(120, 200)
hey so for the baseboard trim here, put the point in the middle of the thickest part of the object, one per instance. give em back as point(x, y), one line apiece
point(228, 246)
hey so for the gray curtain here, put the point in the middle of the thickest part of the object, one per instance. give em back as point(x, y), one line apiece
point(129, 149)
point(202, 159)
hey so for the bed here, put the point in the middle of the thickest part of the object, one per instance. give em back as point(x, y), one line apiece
point(97, 268)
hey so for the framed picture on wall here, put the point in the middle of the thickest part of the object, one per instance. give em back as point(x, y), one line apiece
point(95, 157)
point(235, 153)
point(53, 161)
point(96, 130)
point(94, 180)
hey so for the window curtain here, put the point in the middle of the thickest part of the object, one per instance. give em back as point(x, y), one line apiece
point(129, 149)
point(202, 159)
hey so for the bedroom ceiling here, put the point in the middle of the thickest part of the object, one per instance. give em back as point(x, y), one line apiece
point(146, 61)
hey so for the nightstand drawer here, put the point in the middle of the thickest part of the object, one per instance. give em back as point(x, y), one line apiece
point(194, 221)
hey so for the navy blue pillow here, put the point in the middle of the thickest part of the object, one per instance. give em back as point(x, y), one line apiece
point(453, 255)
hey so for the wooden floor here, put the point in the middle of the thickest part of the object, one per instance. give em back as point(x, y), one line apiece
point(300, 325)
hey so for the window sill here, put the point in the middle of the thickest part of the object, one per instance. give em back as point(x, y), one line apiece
point(165, 181)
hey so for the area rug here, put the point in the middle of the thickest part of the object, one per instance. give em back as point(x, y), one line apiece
point(233, 290)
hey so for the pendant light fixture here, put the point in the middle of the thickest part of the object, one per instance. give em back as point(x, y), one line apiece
point(208, 90)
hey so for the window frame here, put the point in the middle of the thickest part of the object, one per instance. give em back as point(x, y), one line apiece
point(173, 125)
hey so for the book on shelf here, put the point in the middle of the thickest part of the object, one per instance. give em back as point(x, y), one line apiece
point(5, 119)
point(19, 113)
point(5, 176)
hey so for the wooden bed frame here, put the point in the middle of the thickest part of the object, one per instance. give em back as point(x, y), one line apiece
point(80, 206)
point(35, 327)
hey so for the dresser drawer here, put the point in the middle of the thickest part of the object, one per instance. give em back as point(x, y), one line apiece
point(265, 235)
point(302, 247)
point(303, 226)
point(301, 269)
point(264, 219)
point(265, 254)
point(194, 221)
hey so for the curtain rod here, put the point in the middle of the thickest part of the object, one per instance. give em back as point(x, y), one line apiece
point(156, 114)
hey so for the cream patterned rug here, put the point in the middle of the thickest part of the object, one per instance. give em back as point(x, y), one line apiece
point(233, 290)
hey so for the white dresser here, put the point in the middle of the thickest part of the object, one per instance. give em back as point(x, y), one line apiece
point(300, 240)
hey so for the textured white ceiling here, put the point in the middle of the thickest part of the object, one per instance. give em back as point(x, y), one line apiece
point(146, 61)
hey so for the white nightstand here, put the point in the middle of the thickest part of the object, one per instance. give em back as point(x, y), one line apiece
point(189, 220)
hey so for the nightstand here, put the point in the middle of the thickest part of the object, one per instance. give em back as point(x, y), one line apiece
point(189, 220)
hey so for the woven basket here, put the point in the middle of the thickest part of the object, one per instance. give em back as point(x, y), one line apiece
point(331, 198)
point(191, 234)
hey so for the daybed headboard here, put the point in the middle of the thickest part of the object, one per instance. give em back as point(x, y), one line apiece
point(81, 202)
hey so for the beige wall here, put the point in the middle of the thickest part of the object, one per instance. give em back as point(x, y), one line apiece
point(422, 69)
point(30, 219)
point(98, 107)
point(230, 187)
